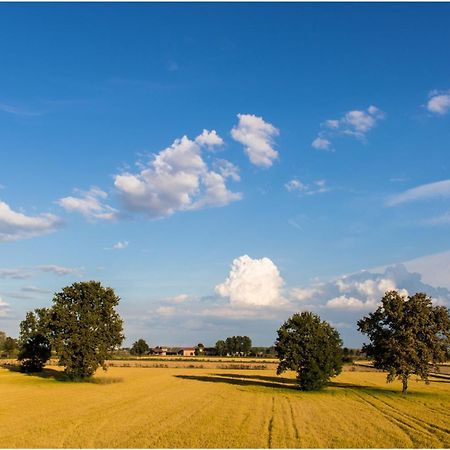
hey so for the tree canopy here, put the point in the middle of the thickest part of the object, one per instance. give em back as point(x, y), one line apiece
point(34, 341)
point(311, 347)
point(408, 336)
point(86, 327)
point(139, 348)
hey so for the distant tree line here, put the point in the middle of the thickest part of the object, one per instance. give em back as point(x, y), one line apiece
point(407, 336)
point(234, 346)
point(8, 346)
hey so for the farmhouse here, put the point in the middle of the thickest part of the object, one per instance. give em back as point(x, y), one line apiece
point(172, 351)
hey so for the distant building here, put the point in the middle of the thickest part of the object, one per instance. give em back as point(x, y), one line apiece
point(172, 351)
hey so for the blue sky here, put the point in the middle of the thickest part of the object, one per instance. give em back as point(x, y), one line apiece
point(325, 153)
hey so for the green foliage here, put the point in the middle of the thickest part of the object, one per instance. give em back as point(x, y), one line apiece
point(221, 348)
point(34, 341)
point(2, 339)
point(238, 345)
point(199, 349)
point(139, 348)
point(9, 347)
point(310, 347)
point(86, 328)
point(407, 336)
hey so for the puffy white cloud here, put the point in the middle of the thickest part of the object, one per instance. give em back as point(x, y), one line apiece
point(210, 139)
point(60, 270)
point(438, 189)
point(320, 143)
point(439, 102)
point(16, 225)
point(317, 187)
point(254, 282)
point(257, 137)
point(305, 293)
point(227, 169)
point(177, 179)
point(348, 303)
point(355, 123)
point(89, 204)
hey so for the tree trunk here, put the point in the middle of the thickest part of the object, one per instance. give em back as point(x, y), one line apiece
point(404, 383)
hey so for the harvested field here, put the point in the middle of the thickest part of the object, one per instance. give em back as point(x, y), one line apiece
point(178, 407)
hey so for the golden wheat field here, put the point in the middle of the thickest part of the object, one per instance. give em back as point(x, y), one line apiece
point(207, 407)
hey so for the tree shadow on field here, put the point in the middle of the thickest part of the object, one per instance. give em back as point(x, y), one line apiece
point(243, 380)
point(59, 375)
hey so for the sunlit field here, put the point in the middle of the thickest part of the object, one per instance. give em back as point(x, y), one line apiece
point(211, 407)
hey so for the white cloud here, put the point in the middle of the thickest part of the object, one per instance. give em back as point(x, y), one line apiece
point(439, 102)
point(355, 123)
point(89, 204)
point(176, 179)
point(320, 143)
point(439, 189)
point(294, 185)
point(257, 137)
point(166, 310)
point(210, 139)
point(177, 299)
point(317, 187)
point(15, 225)
point(4, 308)
point(60, 270)
point(227, 169)
point(15, 274)
point(252, 282)
point(303, 294)
point(348, 303)
point(120, 245)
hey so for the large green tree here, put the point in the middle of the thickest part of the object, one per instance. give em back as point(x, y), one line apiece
point(408, 336)
point(86, 327)
point(139, 348)
point(311, 347)
point(34, 341)
point(221, 348)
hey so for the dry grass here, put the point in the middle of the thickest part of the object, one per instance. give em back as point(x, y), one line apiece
point(177, 407)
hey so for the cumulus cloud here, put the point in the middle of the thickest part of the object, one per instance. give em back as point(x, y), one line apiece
point(355, 123)
point(16, 225)
point(257, 137)
point(320, 143)
point(60, 270)
point(439, 102)
point(252, 282)
point(364, 290)
point(176, 179)
point(345, 302)
point(438, 189)
point(317, 187)
point(209, 139)
point(305, 293)
point(90, 204)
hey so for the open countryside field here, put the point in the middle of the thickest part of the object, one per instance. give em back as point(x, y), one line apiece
point(210, 407)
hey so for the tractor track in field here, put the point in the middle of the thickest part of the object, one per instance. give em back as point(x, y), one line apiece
point(406, 427)
point(296, 432)
point(432, 428)
point(270, 427)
